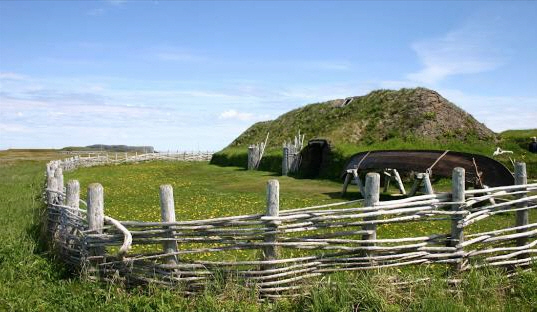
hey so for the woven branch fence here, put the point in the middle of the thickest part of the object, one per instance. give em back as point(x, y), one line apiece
point(104, 158)
point(280, 250)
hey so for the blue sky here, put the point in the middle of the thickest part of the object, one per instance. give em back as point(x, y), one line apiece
point(194, 75)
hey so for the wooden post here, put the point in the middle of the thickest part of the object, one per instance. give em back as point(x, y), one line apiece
point(371, 199)
point(418, 178)
point(253, 152)
point(358, 182)
point(72, 199)
point(285, 161)
point(52, 218)
point(95, 214)
point(72, 194)
point(387, 180)
point(522, 217)
point(348, 177)
point(58, 175)
point(167, 213)
point(427, 186)
point(400, 184)
point(273, 208)
point(52, 185)
point(457, 191)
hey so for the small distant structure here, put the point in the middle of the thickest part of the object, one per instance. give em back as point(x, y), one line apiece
point(255, 153)
point(532, 148)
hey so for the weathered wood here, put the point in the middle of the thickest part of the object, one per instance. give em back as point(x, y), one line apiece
point(58, 175)
point(427, 186)
point(400, 184)
point(387, 180)
point(348, 177)
point(417, 182)
point(72, 193)
point(285, 161)
point(253, 154)
point(358, 182)
point(457, 191)
point(371, 199)
point(522, 216)
point(95, 214)
point(167, 212)
point(273, 207)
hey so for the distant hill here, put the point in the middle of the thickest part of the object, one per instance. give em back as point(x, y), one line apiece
point(111, 148)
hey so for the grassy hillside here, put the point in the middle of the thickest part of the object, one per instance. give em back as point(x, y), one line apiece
point(384, 119)
point(378, 116)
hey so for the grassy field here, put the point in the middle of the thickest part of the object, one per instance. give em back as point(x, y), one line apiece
point(33, 280)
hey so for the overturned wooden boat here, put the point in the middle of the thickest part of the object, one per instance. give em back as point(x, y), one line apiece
point(480, 170)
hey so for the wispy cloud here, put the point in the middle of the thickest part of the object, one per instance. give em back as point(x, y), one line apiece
point(11, 76)
point(499, 113)
point(467, 50)
point(242, 116)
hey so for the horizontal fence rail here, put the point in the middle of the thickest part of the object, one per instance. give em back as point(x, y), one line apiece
point(279, 250)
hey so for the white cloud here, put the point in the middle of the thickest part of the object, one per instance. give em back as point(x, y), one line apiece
point(11, 76)
point(468, 50)
point(233, 114)
point(499, 113)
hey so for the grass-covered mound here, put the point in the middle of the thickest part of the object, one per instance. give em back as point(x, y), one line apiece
point(384, 119)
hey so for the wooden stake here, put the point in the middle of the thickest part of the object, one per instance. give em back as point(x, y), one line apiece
point(167, 212)
point(273, 208)
point(72, 192)
point(96, 214)
point(457, 190)
point(371, 199)
point(285, 161)
point(522, 216)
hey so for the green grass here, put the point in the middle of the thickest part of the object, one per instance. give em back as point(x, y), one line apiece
point(33, 280)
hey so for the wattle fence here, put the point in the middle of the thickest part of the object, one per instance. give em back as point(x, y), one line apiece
point(278, 251)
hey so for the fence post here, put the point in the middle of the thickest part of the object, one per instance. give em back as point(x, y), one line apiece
point(72, 199)
point(273, 210)
point(457, 191)
point(522, 217)
point(52, 186)
point(72, 194)
point(95, 214)
point(167, 212)
point(371, 199)
point(58, 174)
point(253, 151)
point(285, 161)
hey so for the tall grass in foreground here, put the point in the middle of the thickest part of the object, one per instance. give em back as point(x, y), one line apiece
point(32, 280)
